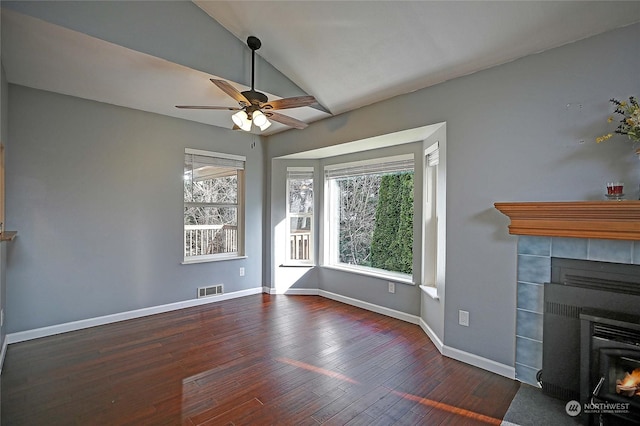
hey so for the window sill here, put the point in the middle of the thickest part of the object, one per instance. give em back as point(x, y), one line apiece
point(210, 259)
point(389, 276)
point(430, 291)
point(297, 265)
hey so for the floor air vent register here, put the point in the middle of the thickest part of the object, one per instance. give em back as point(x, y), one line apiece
point(209, 291)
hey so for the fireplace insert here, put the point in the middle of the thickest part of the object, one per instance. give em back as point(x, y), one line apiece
point(576, 286)
point(610, 367)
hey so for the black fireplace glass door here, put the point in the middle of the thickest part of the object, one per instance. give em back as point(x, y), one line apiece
point(615, 366)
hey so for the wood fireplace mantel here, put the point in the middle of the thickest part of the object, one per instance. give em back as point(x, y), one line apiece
point(615, 220)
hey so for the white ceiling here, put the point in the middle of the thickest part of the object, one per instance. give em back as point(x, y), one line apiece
point(347, 54)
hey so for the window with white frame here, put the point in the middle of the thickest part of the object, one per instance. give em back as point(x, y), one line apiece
point(300, 215)
point(430, 214)
point(369, 213)
point(213, 205)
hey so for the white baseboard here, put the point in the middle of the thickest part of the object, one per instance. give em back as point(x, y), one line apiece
point(413, 319)
point(480, 362)
point(432, 335)
point(466, 357)
point(293, 291)
point(22, 336)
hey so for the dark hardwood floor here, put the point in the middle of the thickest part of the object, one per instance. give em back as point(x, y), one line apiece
point(257, 360)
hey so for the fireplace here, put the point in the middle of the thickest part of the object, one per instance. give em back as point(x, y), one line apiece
point(601, 231)
point(610, 367)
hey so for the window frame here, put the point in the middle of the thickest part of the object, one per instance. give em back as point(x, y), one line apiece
point(434, 217)
point(288, 216)
point(330, 257)
point(239, 206)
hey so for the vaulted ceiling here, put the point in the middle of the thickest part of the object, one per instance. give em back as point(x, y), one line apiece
point(154, 55)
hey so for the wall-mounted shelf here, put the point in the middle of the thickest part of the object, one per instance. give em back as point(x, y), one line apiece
point(615, 220)
point(8, 235)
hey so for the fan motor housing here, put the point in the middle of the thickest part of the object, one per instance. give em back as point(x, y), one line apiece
point(255, 97)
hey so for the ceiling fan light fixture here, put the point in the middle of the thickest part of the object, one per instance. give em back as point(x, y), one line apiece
point(259, 119)
point(265, 126)
point(241, 119)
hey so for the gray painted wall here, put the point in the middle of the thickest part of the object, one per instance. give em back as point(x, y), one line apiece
point(514, 133)
point(95, 192)
point(4, 138)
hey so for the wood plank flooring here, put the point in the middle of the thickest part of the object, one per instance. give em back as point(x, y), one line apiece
point(256, 360)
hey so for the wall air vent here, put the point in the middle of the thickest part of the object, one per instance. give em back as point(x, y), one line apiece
point(209, 291)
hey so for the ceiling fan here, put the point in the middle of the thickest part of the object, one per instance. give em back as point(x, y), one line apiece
point(255, 107)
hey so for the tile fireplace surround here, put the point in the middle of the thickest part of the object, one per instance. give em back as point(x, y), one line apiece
point(606, 231)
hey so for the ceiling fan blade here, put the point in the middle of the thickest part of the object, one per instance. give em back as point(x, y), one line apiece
point(295, 102)
point(231, 91)
point(284, 119)
point(208, 107)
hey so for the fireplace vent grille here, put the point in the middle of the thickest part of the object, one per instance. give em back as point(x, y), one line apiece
point(600, 283)
point(560, 392)
point(562, 309)
point(618, 334)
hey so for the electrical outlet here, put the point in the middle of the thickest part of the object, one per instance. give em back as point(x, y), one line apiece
point(242, 272)
point(463, 318)
point(392, 287)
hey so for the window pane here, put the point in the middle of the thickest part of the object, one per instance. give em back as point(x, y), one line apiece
point(300, 195)
point(300, 238)
point(210, 230)
point(375, 226)
point(358, 200)
point(222, 189)
point(300, 214)
point(207, 183)
point(300, 224)
point(211, 216)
